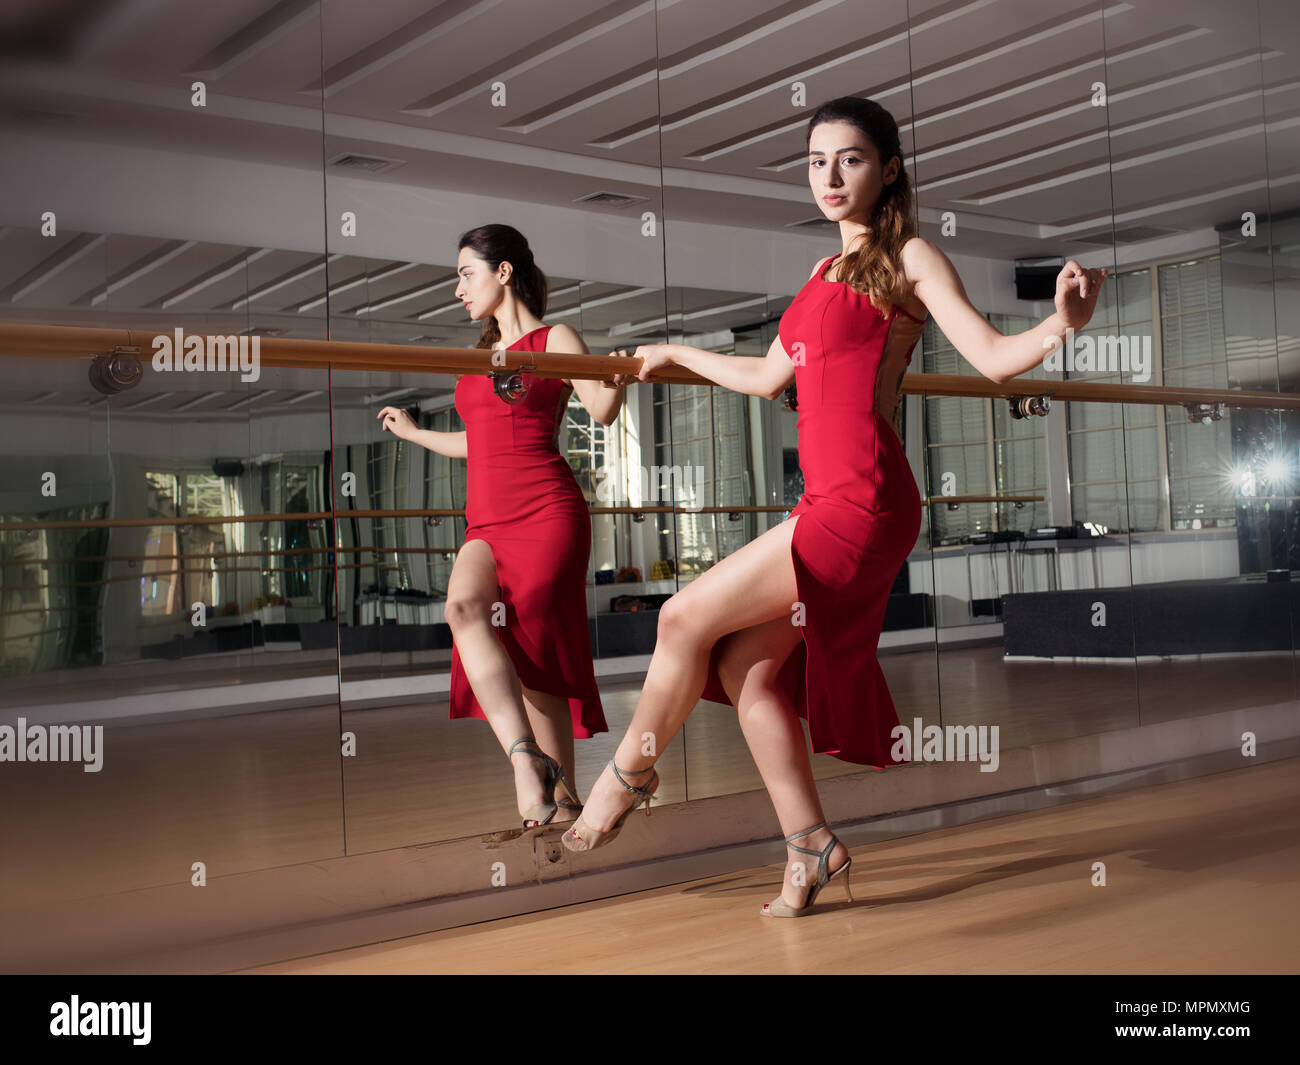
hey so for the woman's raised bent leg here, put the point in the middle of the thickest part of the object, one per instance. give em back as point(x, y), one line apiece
point(749, 587)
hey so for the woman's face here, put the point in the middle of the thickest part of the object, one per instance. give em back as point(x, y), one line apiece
point(844, 171)
point(480, 288)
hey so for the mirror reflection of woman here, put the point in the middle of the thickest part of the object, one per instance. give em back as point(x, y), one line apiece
point(516, 598)
point(787, 626)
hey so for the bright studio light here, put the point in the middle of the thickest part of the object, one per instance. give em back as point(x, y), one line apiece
point(1243, 480)
point(1275, 471)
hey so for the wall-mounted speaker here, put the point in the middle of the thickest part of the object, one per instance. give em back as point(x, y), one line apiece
point(1036, 278)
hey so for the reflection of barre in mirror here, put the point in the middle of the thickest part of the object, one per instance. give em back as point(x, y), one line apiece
point(516, 599)
point(846, 341)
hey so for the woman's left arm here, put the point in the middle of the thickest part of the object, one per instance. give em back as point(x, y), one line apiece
point(602, 401)
point(996, 356)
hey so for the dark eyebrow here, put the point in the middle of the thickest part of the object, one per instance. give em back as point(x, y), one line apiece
point(838, 150)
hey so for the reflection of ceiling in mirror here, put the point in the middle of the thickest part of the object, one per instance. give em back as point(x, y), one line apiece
point(994, 112)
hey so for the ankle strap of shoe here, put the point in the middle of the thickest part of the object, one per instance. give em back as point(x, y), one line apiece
point(823, 856)
point(806, 832)
point(524, 739)
point(631, 787)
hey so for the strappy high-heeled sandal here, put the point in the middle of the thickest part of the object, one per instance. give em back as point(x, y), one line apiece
point(778, 907)
point(591, 838)
point(565, 804)
point(542, 813)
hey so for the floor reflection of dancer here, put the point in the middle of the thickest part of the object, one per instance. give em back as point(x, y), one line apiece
point(787, 626)
point(516, 599)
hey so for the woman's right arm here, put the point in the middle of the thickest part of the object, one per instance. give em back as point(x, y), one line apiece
point(766, 377)
point(398, 422)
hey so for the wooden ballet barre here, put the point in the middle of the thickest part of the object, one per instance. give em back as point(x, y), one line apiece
point(24, 339)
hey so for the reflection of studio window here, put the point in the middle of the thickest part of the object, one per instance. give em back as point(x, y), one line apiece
point(584, 442)
point(704, 432)
point(51, 581)
point(183, 564)
point(298, 564)
point(977, 448)
point(386, 469)
point(959, 444)
point(1019, 449)
point(1115, 474)
point(1170, 474)
point(1194, 353)
point(444, 489)
point(1131, 467)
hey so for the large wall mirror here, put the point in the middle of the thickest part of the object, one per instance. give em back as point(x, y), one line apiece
point(244, 578)
point(1209, 632)
point(541, 118)
point(745, 229)
point(165, 542)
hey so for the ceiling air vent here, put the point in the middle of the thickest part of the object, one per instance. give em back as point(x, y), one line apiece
point(610, 199)
point(1132, 235)
point(375, 164)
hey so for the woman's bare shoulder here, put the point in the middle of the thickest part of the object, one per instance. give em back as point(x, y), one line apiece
point(918, 258)
point(563, 338)
point(916, 254)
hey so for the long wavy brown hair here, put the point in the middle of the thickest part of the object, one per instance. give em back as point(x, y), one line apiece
point(873, 263)
point(496, 244)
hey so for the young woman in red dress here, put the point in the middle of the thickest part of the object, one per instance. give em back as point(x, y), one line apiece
point(787, 626)
point(516, 598)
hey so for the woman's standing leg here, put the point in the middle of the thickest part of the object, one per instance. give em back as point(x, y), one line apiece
point(751, 586)
point(748, 664)
point(472, 591)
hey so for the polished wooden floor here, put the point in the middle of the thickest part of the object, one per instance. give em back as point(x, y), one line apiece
point(1200, 878)
point(257, 790)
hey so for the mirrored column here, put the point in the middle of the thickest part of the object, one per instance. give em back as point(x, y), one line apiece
point(442, 127)
point(1029, 515)
point(164, 545)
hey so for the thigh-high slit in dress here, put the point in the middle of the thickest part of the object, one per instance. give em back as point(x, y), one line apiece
point(859, 516)
point(523, 500)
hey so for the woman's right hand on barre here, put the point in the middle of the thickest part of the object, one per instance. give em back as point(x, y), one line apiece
point(621, 380)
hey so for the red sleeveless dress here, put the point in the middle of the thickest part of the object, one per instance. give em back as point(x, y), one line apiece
point(523, 500)
point(859, 516)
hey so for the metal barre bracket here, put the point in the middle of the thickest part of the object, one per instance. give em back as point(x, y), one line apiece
point(115, 371)
point(1029, 406)
point(1204, 412)
point(509, 385)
